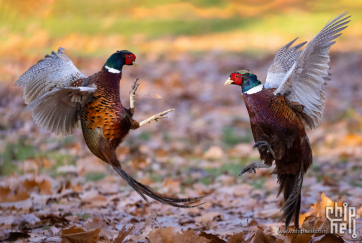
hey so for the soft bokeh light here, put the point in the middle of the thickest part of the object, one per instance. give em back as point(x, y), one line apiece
point(95, 27)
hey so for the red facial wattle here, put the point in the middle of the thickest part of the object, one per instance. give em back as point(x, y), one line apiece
point(130, 59)
point(237, 78)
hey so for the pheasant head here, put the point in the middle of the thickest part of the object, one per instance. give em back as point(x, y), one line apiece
point(247, 80)
point(116, 61)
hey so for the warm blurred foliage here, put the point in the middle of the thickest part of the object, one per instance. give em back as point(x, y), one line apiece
point(98, 27)
point(30, 29)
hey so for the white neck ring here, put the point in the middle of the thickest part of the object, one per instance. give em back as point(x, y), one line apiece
point(112, 70)
point(254, 90)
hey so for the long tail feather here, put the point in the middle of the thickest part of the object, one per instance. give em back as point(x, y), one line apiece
point(144, 191)
point(291, 185)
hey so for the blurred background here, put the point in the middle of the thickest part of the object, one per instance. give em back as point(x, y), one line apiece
point(90, 29)
point(185, 50)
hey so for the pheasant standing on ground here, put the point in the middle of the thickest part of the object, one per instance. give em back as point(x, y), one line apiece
point(59, 95)
point(291, 100)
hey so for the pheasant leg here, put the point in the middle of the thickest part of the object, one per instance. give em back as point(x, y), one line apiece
point(132, 93)
point(262, 146)
point(156, 117)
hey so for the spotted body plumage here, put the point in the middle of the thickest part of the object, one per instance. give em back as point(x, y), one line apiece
point(60, 95)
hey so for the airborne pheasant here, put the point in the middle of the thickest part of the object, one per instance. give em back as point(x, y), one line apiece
point(59, 95)
point(291, 100)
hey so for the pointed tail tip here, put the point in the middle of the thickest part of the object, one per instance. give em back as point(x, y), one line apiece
point(144, 191)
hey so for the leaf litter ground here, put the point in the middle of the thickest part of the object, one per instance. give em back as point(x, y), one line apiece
point(53, 189)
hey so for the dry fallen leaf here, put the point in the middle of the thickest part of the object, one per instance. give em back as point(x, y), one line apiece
point(171, 186)
point(206, 219)
point(321, 205)
point(123, 234)
point(45, 187)
point(29, 185)
point(53, 219)
point(327, 238)
point(312, 222)
point(259, 237)
point(94, 198)
point(96, 223)
point(298, 238)
point(72, 230)
point(170, 235)
point(236, 238)
point(213, 238)
point(77, 188)
point(253, 222)
point(7, 196)
point(78, 235)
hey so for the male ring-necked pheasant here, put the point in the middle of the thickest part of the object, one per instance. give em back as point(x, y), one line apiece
point(292, 99)
point(59, 95)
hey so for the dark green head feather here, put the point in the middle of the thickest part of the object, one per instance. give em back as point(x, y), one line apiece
point(120, 58)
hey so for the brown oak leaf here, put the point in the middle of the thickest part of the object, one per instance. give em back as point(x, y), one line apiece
point(123, 234)
point(170, 235)
point(239, 237)
point(78, 235)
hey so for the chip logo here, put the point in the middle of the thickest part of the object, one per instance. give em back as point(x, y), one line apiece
point(342, 219)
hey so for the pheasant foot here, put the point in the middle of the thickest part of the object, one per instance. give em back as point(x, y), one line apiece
point(132, 93)
point(156, 117)
point(252, 168)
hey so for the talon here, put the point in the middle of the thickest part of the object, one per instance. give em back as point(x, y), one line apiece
point(134, 87)
point(132, 93)
point(252, 168)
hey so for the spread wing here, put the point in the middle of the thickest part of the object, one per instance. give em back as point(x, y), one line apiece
point(58, 110)
point(303, 81)
point(283, 61)
point(47, 90)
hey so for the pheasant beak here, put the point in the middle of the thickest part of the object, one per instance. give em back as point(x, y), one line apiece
point(134, 64)
point(229, 81)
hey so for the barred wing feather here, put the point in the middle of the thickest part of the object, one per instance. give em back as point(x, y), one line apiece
point(55, 70)
point(54, 104)
point(283, 61)
point(58, 110)
point(303, 81)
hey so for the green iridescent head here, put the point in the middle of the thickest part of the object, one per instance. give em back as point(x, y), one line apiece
point(244, 78)
point(116, 61)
